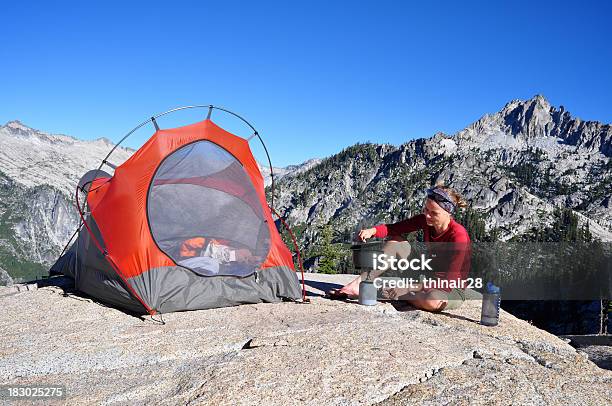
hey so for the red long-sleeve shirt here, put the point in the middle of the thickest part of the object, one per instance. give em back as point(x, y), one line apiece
point(450, 251)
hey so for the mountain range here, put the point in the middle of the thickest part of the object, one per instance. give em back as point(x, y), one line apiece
point(515, 167)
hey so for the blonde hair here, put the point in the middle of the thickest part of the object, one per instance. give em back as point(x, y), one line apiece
point(457, 198)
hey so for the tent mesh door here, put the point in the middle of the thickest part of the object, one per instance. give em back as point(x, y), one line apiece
point(205, 214)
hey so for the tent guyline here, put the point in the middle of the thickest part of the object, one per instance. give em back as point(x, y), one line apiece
point(183, 224)
point(297, 250)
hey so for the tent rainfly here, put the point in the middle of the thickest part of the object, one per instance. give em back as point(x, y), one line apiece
point(183, 224)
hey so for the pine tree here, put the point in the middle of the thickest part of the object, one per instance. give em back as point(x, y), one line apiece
point(329, 252)
point(473, 222)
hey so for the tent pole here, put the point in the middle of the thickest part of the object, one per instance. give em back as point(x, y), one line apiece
point(155, 123)
point(271, 170)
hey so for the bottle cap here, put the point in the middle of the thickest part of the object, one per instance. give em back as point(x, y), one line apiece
point(491, 288)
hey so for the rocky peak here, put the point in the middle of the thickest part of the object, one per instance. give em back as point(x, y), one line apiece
point(521, 124)
point(529, 118)
point(290, 170)
point(538, 101)
point(522, 119)
point(17, 125)
point(33, 158)
point(17, 128)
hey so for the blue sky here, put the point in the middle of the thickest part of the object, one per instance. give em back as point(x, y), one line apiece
point(313, 77)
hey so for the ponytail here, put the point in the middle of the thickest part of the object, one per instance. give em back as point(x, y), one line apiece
point(457, 198)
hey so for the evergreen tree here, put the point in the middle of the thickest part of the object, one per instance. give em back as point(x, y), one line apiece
point(474, 223)
point(330, 253)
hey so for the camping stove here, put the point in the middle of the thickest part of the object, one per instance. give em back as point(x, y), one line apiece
point(363, 255)
point(363, 260)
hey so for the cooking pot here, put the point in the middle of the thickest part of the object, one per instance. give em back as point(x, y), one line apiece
point(363, 254)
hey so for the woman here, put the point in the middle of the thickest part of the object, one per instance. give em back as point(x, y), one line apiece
point(452, 262)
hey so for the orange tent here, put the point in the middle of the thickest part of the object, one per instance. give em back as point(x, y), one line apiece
point(197, 183)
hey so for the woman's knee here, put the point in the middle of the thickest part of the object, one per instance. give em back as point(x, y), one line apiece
point(399, 248)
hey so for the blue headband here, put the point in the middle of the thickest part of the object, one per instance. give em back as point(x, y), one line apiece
point(442, 198)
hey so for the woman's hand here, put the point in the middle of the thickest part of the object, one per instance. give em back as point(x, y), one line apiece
point(366, 233)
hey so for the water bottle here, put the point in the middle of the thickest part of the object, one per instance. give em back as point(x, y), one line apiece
point(491, 300)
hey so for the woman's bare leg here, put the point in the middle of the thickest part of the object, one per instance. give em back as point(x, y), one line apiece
point(396, 246)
